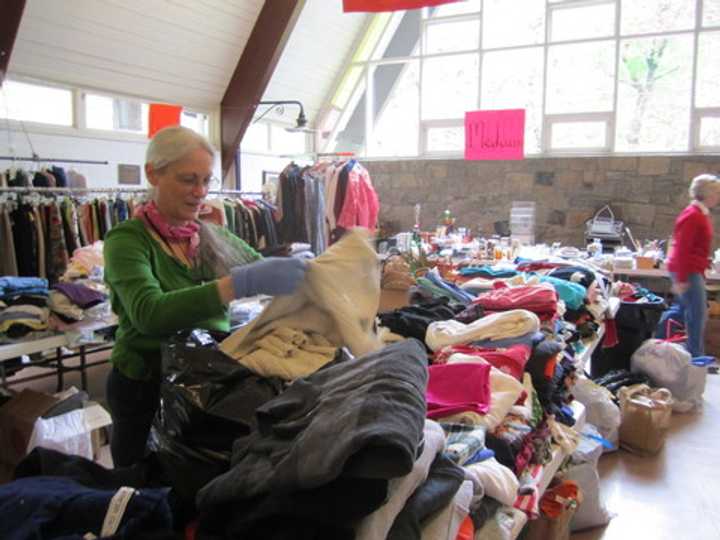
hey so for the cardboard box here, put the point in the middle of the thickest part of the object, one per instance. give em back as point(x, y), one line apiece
point(393, 299)
point(712, 337)
point(22, 428)
point(545, 528)
point(17, 423)
point(644, 263)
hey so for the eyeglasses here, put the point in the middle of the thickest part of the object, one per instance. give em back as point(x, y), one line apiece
point(190, 181)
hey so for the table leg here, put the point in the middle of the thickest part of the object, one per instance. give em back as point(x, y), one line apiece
point(83, 373)
point(60, 369)
point(3, 376)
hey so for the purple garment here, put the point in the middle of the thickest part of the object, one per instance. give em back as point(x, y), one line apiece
point(80, 295)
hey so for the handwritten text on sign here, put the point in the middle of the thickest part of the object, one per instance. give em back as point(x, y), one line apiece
point(495, 134)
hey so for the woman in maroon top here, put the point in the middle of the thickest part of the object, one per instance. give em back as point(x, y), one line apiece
point(690, 255)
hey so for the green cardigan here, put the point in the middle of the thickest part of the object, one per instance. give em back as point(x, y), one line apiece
point(154, 296)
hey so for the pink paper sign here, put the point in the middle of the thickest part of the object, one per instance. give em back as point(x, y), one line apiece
point(495, 134)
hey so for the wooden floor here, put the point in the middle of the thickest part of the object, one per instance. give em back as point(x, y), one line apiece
point(673, 495)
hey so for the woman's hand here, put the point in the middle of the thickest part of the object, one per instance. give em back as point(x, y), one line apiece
point(272, 276)
point(680, 288)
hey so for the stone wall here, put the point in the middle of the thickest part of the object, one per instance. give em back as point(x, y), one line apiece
point(645, 192)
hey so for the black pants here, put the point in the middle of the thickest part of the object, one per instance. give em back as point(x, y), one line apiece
point(132, 406)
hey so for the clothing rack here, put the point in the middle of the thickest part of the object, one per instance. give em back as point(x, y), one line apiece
point(36, 158)
point(31, 189)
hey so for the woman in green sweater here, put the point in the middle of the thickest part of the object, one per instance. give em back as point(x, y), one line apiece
point(167, 271)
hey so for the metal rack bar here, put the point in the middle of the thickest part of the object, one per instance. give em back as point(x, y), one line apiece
point(55, 160)
point(110, 190)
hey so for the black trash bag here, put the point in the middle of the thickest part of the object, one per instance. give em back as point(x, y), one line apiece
point(635, 323)
point(207, 402)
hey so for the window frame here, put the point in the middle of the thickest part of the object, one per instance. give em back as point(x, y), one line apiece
point(79, 128)
point(610, 118)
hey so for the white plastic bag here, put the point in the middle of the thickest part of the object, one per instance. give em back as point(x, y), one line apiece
point(67, 433)
point(590, 448)
point(592, 511)
point(600, 409)
point(669, 366)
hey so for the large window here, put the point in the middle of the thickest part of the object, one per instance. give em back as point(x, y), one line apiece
point(27, 102)
point(594, 77)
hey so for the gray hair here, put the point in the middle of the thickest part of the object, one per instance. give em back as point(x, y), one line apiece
point(701, 186)
point(216, 255)
point(171, 144)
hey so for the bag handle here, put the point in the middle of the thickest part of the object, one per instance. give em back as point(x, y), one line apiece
point(603, 209)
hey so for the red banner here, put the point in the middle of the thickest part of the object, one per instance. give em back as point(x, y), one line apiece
point(495, 134)
point(162, 115)
point(390, 5)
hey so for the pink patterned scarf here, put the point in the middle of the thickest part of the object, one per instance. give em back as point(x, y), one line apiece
point(187, 236)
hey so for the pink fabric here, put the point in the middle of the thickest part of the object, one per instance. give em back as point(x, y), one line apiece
point(510, 360)
point(540, 299)
point(183, 235)
point(361, 205)
point(458, 388)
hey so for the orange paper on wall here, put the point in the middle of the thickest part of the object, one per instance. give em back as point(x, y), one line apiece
point(163, 115)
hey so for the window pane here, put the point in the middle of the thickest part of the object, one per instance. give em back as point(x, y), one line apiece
point(114, 114)
point(513, 80)
point(452, 36)
point(524, 24)
point(711, 12)
point(578, 135)
point(654, 94)
point(396, 94)
point(445, 139)
point(401, 37)
point(450, 86)
point(350, 135)
point(256, 138)
point(583, 22)
point(644, 16)
point(195, 121)
point(707, 94)
point(581, 77)
point(286, 142)
point(35, 103)
point(710, 131)
point(454, 8)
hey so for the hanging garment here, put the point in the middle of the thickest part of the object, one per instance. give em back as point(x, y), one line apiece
point(25, 240)
point(8, 261)
point(58, 252)
point(328, 303)
point(360, 206)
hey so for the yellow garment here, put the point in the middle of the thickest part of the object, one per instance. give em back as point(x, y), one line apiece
point(287, 353)
point(338, 299)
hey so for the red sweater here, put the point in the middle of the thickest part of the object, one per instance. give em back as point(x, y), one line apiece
point(692, 239)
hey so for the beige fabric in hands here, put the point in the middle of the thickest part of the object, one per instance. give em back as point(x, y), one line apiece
point(338, 299)
point(506, 324)
point(287, 353)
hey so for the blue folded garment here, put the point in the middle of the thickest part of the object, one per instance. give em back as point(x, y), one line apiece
point(488, 272)
point(12, 286)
